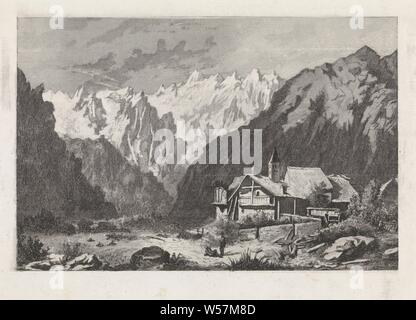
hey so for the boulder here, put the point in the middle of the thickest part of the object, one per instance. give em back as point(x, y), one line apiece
point(391, 253)
point(55, 262)
point(56, 259)
point(316, 248)
point(347, 247)
point(149, 256)
point(356, 261)
point(324, 265)
point(38, 266)
point(57, 267)
point(84, 262)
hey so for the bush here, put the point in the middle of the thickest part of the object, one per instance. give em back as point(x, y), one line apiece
point(71, 250)
point(248, 262)
point(381, 215)
point(350, 227)
point(228, 228)
point(105, 226)
point(66, 228)
point(43, 222)
point(318, 197)
point(30, 249)
point(46, 222)
point(179, 262)
point(84, 225)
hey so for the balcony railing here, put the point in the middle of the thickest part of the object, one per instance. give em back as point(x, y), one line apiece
point(255, 201)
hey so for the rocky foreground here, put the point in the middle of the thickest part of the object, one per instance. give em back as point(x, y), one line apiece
point(168, 252)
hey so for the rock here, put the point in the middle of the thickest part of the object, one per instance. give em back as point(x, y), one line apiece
point(209, 252)
point(324, 265)
point(56, 259)
point(82, 267)
point(391, 253)
point(355, 261)
point(149, 256)
point(38, 266)
point(334, 255)
point(347, 247)
point(57, 267)
point(315, 248)
point(84, 262)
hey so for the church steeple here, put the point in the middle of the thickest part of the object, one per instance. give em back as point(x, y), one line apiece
point(274, 158)
point(276, 167)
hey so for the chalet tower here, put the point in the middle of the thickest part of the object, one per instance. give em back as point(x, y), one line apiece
point(277, 168)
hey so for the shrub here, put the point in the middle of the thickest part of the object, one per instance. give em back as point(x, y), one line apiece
point(71, 250)
point(66, 228)
point(179, 262)
point(381, 215)
point(318, 197)
point(84, 225)
point(44, 222)
point(105, 226)
point(248, 262)
point(228, 228)
point(350, 227)
point(30, 249)
point(247, 221)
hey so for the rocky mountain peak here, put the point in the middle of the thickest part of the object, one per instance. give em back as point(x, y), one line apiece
point(195, 76)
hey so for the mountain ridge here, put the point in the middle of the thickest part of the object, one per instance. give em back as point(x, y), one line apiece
point(49, 178)
point(339, 116)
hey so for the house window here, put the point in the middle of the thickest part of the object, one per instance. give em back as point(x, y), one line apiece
point(257, 193)
point(284, 190)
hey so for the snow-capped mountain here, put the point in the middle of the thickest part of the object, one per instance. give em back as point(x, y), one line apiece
point(217, 102)
point(129, 119)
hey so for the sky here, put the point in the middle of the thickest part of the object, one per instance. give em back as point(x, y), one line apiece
point(145, 53)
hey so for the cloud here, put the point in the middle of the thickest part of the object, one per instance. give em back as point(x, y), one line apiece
point(103, 64)
point(163, 57)
point(105, 69)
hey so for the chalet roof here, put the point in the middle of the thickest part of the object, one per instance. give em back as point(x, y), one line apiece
point(236, 182)
point(274, 188)
point(303, 180)
point(343, 190)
